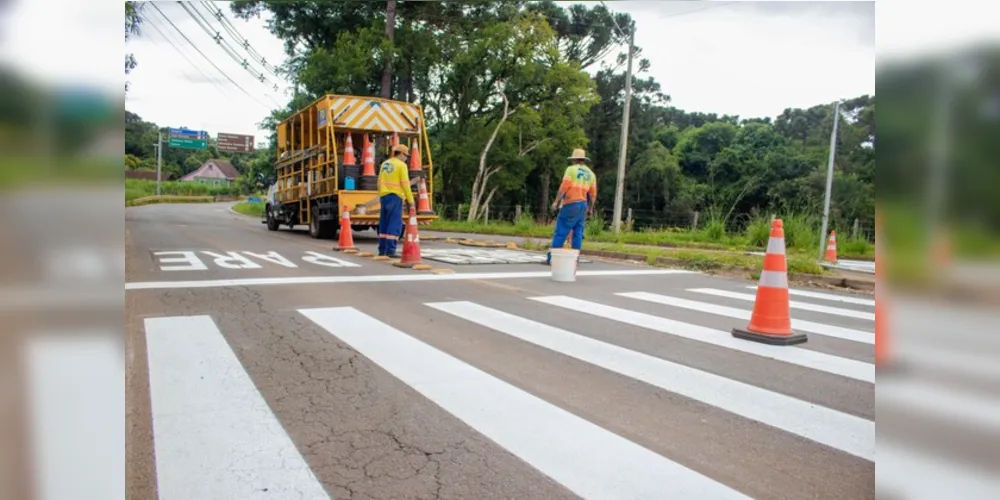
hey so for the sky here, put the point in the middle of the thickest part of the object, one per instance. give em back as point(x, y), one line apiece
point(744, 58)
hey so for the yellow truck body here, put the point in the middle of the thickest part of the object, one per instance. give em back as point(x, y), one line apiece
point(310, 188)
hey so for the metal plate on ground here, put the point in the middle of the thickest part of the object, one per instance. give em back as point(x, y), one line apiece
point(464, 256)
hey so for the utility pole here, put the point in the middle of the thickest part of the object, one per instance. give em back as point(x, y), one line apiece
point(159, 158)
point(390, 25)
point(829, 180)
point(620, 183)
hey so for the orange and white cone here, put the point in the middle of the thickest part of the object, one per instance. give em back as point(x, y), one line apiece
point(771, 321)
point(415, 159)
point(423, 200)
point(831, 248)
point(368, 157)
point(346, 242)
point(349, 151)
point(395, 139)
point(411, 246)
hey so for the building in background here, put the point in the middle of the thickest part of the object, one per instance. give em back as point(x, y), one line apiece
point(214, 173)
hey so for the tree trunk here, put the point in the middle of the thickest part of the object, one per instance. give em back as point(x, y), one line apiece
point(484, 173)
point(543, 198)
point(390, 25)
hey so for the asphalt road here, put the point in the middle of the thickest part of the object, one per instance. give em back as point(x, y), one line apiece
point(287, 370)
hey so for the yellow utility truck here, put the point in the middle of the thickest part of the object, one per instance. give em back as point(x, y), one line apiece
point(328, 159)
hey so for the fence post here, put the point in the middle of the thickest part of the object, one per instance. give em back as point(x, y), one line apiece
point(628, 219)
point(855, 229)
point(694, 225)
point(517, 213)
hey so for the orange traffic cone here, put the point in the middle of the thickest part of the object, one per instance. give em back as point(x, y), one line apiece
point(831, 248)
point(346, 243)
point(423, 201)
point(395, 139)
point(411, 246)
point(368, 157)
point(415, 159)
point(349, 151)
point(771, 321)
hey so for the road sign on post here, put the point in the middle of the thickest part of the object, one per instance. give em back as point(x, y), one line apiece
point(183, 138)
point(234, 143)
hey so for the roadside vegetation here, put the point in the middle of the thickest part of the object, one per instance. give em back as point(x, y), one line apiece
point(801, 236)
point(140, 188)
point(253, 208)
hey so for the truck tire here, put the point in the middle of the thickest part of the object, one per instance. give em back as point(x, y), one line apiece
point(272, 223)
point(320, 229)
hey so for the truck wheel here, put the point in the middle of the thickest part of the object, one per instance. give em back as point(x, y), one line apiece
point(320, 230)
point(315, 228)
point(272, 223)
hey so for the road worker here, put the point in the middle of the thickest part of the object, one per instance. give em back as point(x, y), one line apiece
point(577, 195)
point(393, 190)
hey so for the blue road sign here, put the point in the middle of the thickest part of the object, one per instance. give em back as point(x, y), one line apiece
point(188, 133)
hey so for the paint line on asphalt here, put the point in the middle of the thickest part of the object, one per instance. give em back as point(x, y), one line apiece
point(385, 278)
point(909, 473)
point(793, 355)
point(214, 435)
point(823, 425)
point(585, 458)
point(797, 324)
point(828, 296)
point(959, 407)
point(805, 306)
point(935, 358)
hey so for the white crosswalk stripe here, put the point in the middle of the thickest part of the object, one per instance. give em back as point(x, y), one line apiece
point(805, 306)
point(216, 437)
point(810, 359)
point(827, 296)
point(797, 324)
point(839, 430)
point(554, 441)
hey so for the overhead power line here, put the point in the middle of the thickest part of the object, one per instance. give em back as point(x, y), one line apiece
point(207, 28)
point(248, 94)
point(209, 79)
point(240, 39)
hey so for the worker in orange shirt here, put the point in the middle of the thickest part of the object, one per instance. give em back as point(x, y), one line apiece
point(577, 195)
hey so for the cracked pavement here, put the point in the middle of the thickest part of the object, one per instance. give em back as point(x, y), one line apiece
point(367, 435)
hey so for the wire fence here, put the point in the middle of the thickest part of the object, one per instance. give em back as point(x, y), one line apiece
point(653, 220)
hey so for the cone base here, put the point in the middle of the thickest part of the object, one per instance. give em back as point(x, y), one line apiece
point(411, 265)
point(764, 338)
point(381, 258)
point(347, 250)
point(364, 254)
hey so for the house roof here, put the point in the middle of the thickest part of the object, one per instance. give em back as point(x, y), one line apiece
point(214, 169)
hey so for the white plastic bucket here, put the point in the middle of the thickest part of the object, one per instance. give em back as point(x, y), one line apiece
point(564, 262)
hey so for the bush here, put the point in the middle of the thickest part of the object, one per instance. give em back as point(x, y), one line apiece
point(714, 230)
point(801, 232)
point(758, 231)
point(594, 227)
point(855, 247)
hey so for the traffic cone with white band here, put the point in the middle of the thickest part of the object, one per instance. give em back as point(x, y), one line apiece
point(771, 321)
point(349, 151)
point(423, 200)
point(368, 157)
point(346, 242)
point(411, 246)
point(831, 248)
point(881, 321)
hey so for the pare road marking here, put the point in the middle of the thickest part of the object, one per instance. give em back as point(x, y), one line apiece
point(189, 260)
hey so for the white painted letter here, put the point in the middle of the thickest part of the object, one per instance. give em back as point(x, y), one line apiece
point(233, 260)
point(273, 257)
point(189, 258)
point(326, 260)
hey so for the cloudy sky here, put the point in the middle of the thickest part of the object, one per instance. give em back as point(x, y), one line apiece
point(738, 57)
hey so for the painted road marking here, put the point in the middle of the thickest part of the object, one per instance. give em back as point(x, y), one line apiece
point(838, 430)
point(187, 260)
point(796, 356)
point(828, 296)
point(797, 324)
point(214, 435)
point(587, 459)
point(795, 305)
point(385, 278)
point(76, 415)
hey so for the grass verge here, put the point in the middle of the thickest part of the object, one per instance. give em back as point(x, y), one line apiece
point(149, 200)
point(140, 188)
point(255, 209)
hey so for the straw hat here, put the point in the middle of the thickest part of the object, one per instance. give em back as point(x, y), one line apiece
point(401, 149)
point(579, 154)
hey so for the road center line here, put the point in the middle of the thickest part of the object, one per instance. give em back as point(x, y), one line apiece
point(384, 278)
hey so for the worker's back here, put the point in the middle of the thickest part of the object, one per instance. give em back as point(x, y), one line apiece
point(393, 178)
point(578, 183)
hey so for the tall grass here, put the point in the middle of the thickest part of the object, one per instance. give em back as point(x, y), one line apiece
point(138, 188)
point(758, 231)
point(801, 231)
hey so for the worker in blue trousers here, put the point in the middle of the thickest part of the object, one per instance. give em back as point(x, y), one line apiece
point(577, 195)
point(393, 190)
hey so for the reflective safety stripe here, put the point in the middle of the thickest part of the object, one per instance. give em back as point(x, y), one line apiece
point(347, 215)
point(413, 221)
point(773, 279)
point(776, 246)
point(388, 237)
